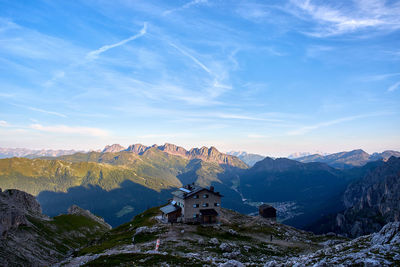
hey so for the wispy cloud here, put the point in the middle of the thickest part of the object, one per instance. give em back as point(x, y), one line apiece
point(187, 5)
point(379, 77)
point(94, 54)
point(256, 136)
point(149, 136)
point(64, 129)
point(220, 76)
point(243, 117)
point(4, 124)
point(42, 110)
point(195, 60)
point(315, 51)
point(341, 19)
point(306, 129)
point(394, 87)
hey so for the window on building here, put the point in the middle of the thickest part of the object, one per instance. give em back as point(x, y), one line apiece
point(195, 215)
point(205, 196)
point(196, 205)
point(216, 204)
point(196, 196)
point(205, 205)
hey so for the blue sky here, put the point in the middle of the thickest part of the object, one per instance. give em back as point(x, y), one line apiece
point(269, 77)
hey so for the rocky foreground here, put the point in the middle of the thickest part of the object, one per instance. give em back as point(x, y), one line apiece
point(378, 249)
point(239, 240)
point(29, 238)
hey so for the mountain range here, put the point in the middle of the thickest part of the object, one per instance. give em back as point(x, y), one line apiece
point(31, 153)
point(91, 179)
point(120, 182)
point(348, 159)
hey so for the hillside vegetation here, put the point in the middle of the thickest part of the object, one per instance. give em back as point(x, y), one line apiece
point(118, 185)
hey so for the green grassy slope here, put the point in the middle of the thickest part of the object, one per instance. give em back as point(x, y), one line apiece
point(34, 176)
point(114, 185)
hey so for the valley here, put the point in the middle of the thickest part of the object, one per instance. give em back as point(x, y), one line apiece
point(139, 177)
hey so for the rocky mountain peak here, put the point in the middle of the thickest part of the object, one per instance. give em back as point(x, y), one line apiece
point(204, 153)
point(173, 149)
point(137, 148)
point(113, 148)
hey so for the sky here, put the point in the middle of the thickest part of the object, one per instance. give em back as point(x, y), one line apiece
point(266, 77)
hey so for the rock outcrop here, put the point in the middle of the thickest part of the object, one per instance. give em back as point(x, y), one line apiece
point(15, 206)
point(75, 210)
point(29, 238)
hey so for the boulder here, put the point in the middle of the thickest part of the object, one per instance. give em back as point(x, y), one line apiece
point(214, 241)
point(225, 247)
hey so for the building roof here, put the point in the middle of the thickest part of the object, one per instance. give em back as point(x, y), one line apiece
point(209, 212)
point(266, 206)
point(190, 190)
point(168, 209)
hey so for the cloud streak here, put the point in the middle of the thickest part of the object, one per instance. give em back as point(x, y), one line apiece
point(195, 60)
point(394, 87)
point(306, 129)
point(42, 111)
point(95, 54)
point(187, 5)
point(379, 77)
point(76, 130)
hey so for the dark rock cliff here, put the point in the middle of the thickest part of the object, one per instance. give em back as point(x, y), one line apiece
point(372, 201)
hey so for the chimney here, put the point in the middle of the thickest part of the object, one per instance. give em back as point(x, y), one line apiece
point(212, 188)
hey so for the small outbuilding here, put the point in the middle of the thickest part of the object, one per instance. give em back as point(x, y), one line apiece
point(267, 211)
point(171, 213)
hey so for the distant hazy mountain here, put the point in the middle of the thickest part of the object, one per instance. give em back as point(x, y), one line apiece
point(349, 159)
point(31, 153)
point(304, 154)
point(249, 159)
